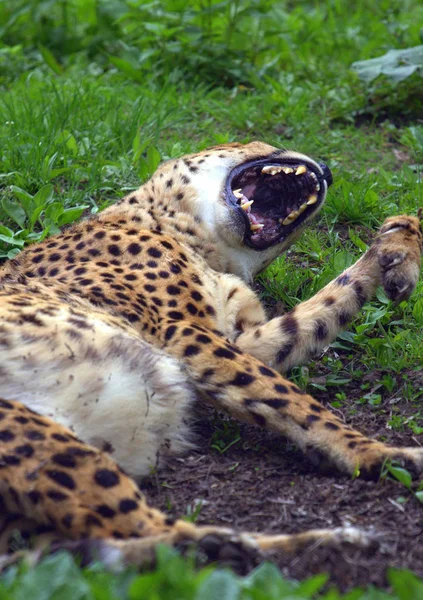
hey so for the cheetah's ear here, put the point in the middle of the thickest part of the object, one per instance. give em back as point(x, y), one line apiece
point(420, 213)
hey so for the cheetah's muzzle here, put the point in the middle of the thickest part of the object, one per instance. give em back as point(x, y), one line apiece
point(275, 197)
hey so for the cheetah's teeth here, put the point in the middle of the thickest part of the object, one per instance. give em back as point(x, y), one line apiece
point(256, 226)
point(246, 205)
point(302, 208)
point(291, 217)
point(300, 170)
point(271, 170)
point(316, 181)
point(312, 199)
point(238, 193)
point(287, 170)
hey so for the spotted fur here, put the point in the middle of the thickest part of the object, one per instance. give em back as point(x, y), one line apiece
point(110, 331)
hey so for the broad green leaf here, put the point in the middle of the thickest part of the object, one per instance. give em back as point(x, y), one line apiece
point(402, 475)
point(310, 587)
point(11, 240)
point(405, 584)
point(69, 215)
point(25, 198)
point(44, 195)
point(53, 211)
point(220, 584)
point(6, 231)
point(268, 580)
point(342, 260)
point(35, 215)
point(14, 211)
point(56, 577)
point(56, 172)
point(66, 137)
point(396, 65)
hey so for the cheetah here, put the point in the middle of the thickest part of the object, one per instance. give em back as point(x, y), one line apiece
point(113, 330)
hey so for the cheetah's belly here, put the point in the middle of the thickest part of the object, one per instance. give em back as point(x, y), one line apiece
point(113, 390)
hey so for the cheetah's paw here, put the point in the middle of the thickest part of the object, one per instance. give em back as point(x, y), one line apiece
point(399, 246)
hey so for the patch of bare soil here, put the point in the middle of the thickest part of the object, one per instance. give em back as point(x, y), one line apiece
point(262, 483)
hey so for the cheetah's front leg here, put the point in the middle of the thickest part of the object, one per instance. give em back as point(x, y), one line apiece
point(247, 389)
point(393, 261)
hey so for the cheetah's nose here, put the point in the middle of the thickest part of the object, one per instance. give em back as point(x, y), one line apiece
point(327, 173)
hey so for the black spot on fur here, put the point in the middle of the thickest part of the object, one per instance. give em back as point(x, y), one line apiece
point(114, 250)
point(344, 317)
point(106, 478)
point(6, 435)
point(26, 450)
point(276, 403)
point(127, 505)
point(191, 350)
point(320, 330)
point(64, 460)
point(282, 389)
point(242, 379)
point(312, 419)
point(93, 521)
point(267, 372)
point(56, 495)
point(331, 426)
point(154, 252)
point(61, 478)
point(360, 294)
point(343, 279)
point(134, 249)
point(59, 437)
point(289, 325)
point(34, 496)
point(284, 352)
point(224, 353)
point(67, 521)
point(105, 511)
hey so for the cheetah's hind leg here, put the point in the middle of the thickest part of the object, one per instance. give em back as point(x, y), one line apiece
point(239, 551)
point(92, 508)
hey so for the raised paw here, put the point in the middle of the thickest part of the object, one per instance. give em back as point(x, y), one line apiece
point(399, 246)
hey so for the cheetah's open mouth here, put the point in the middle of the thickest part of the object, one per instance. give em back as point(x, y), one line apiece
point(275, 197)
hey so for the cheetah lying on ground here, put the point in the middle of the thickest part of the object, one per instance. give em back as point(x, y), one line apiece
point(111, 331)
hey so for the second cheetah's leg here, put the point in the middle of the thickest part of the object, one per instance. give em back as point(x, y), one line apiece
point(393, 261)
point(139, 552)
point(49, 478)
point(248, 390)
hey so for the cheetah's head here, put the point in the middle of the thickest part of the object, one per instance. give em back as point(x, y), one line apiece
point(272, 196)
point(253, 199)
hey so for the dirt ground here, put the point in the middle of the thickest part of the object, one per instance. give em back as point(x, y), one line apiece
point(262, 483)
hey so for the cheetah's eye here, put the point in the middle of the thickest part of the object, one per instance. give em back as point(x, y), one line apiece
point(276, 196)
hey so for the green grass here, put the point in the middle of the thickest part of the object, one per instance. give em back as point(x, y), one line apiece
point(95, 93)
point(59, 577)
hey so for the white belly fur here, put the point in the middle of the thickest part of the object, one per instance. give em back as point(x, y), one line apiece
point(113, 390)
